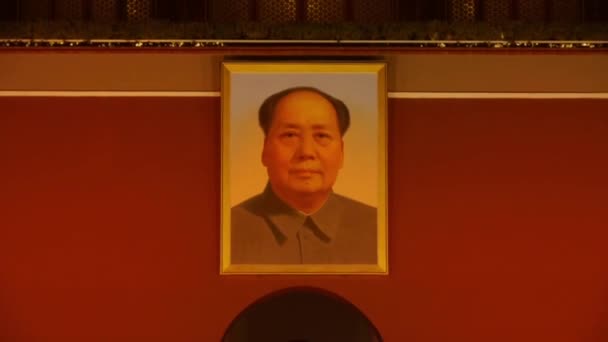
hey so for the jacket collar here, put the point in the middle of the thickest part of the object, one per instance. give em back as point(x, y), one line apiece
point(287, 221)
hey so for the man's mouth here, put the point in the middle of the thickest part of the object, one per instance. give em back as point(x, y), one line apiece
point(304, 172)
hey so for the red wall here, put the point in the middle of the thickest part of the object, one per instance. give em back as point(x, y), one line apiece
point(109, 223)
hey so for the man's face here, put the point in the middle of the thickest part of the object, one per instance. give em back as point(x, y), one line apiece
point(303, 150)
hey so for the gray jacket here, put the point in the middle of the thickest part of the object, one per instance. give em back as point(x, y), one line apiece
point(265, 230)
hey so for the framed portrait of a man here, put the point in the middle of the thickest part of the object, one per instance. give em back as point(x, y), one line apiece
point(304, 186)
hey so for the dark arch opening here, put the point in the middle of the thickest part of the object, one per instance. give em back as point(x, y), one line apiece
point(301, 314)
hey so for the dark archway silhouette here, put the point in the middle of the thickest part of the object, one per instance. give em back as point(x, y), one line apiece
point(301, 315)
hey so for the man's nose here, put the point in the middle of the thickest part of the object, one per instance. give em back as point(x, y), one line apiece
point(306, 148)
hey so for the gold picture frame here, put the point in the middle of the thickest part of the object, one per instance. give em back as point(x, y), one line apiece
point(255, 235)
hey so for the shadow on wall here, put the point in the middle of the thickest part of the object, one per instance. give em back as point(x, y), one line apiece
point(301, 315)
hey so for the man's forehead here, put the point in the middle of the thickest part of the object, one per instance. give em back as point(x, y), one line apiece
point(304, 96)
point(298, 125)
point(305, 109)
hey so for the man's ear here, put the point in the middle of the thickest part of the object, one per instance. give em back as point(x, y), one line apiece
point(342, 153)
point(264, 155)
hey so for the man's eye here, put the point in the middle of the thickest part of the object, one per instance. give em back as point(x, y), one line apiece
point(323, 136)
point(289, 135)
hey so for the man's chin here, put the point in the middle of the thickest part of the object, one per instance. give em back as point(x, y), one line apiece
point(307, 189)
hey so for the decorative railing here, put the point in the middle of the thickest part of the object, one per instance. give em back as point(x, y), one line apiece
point(454, 23)
point(305, 11)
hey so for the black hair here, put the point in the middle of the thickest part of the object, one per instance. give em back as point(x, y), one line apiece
point(266, 111)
